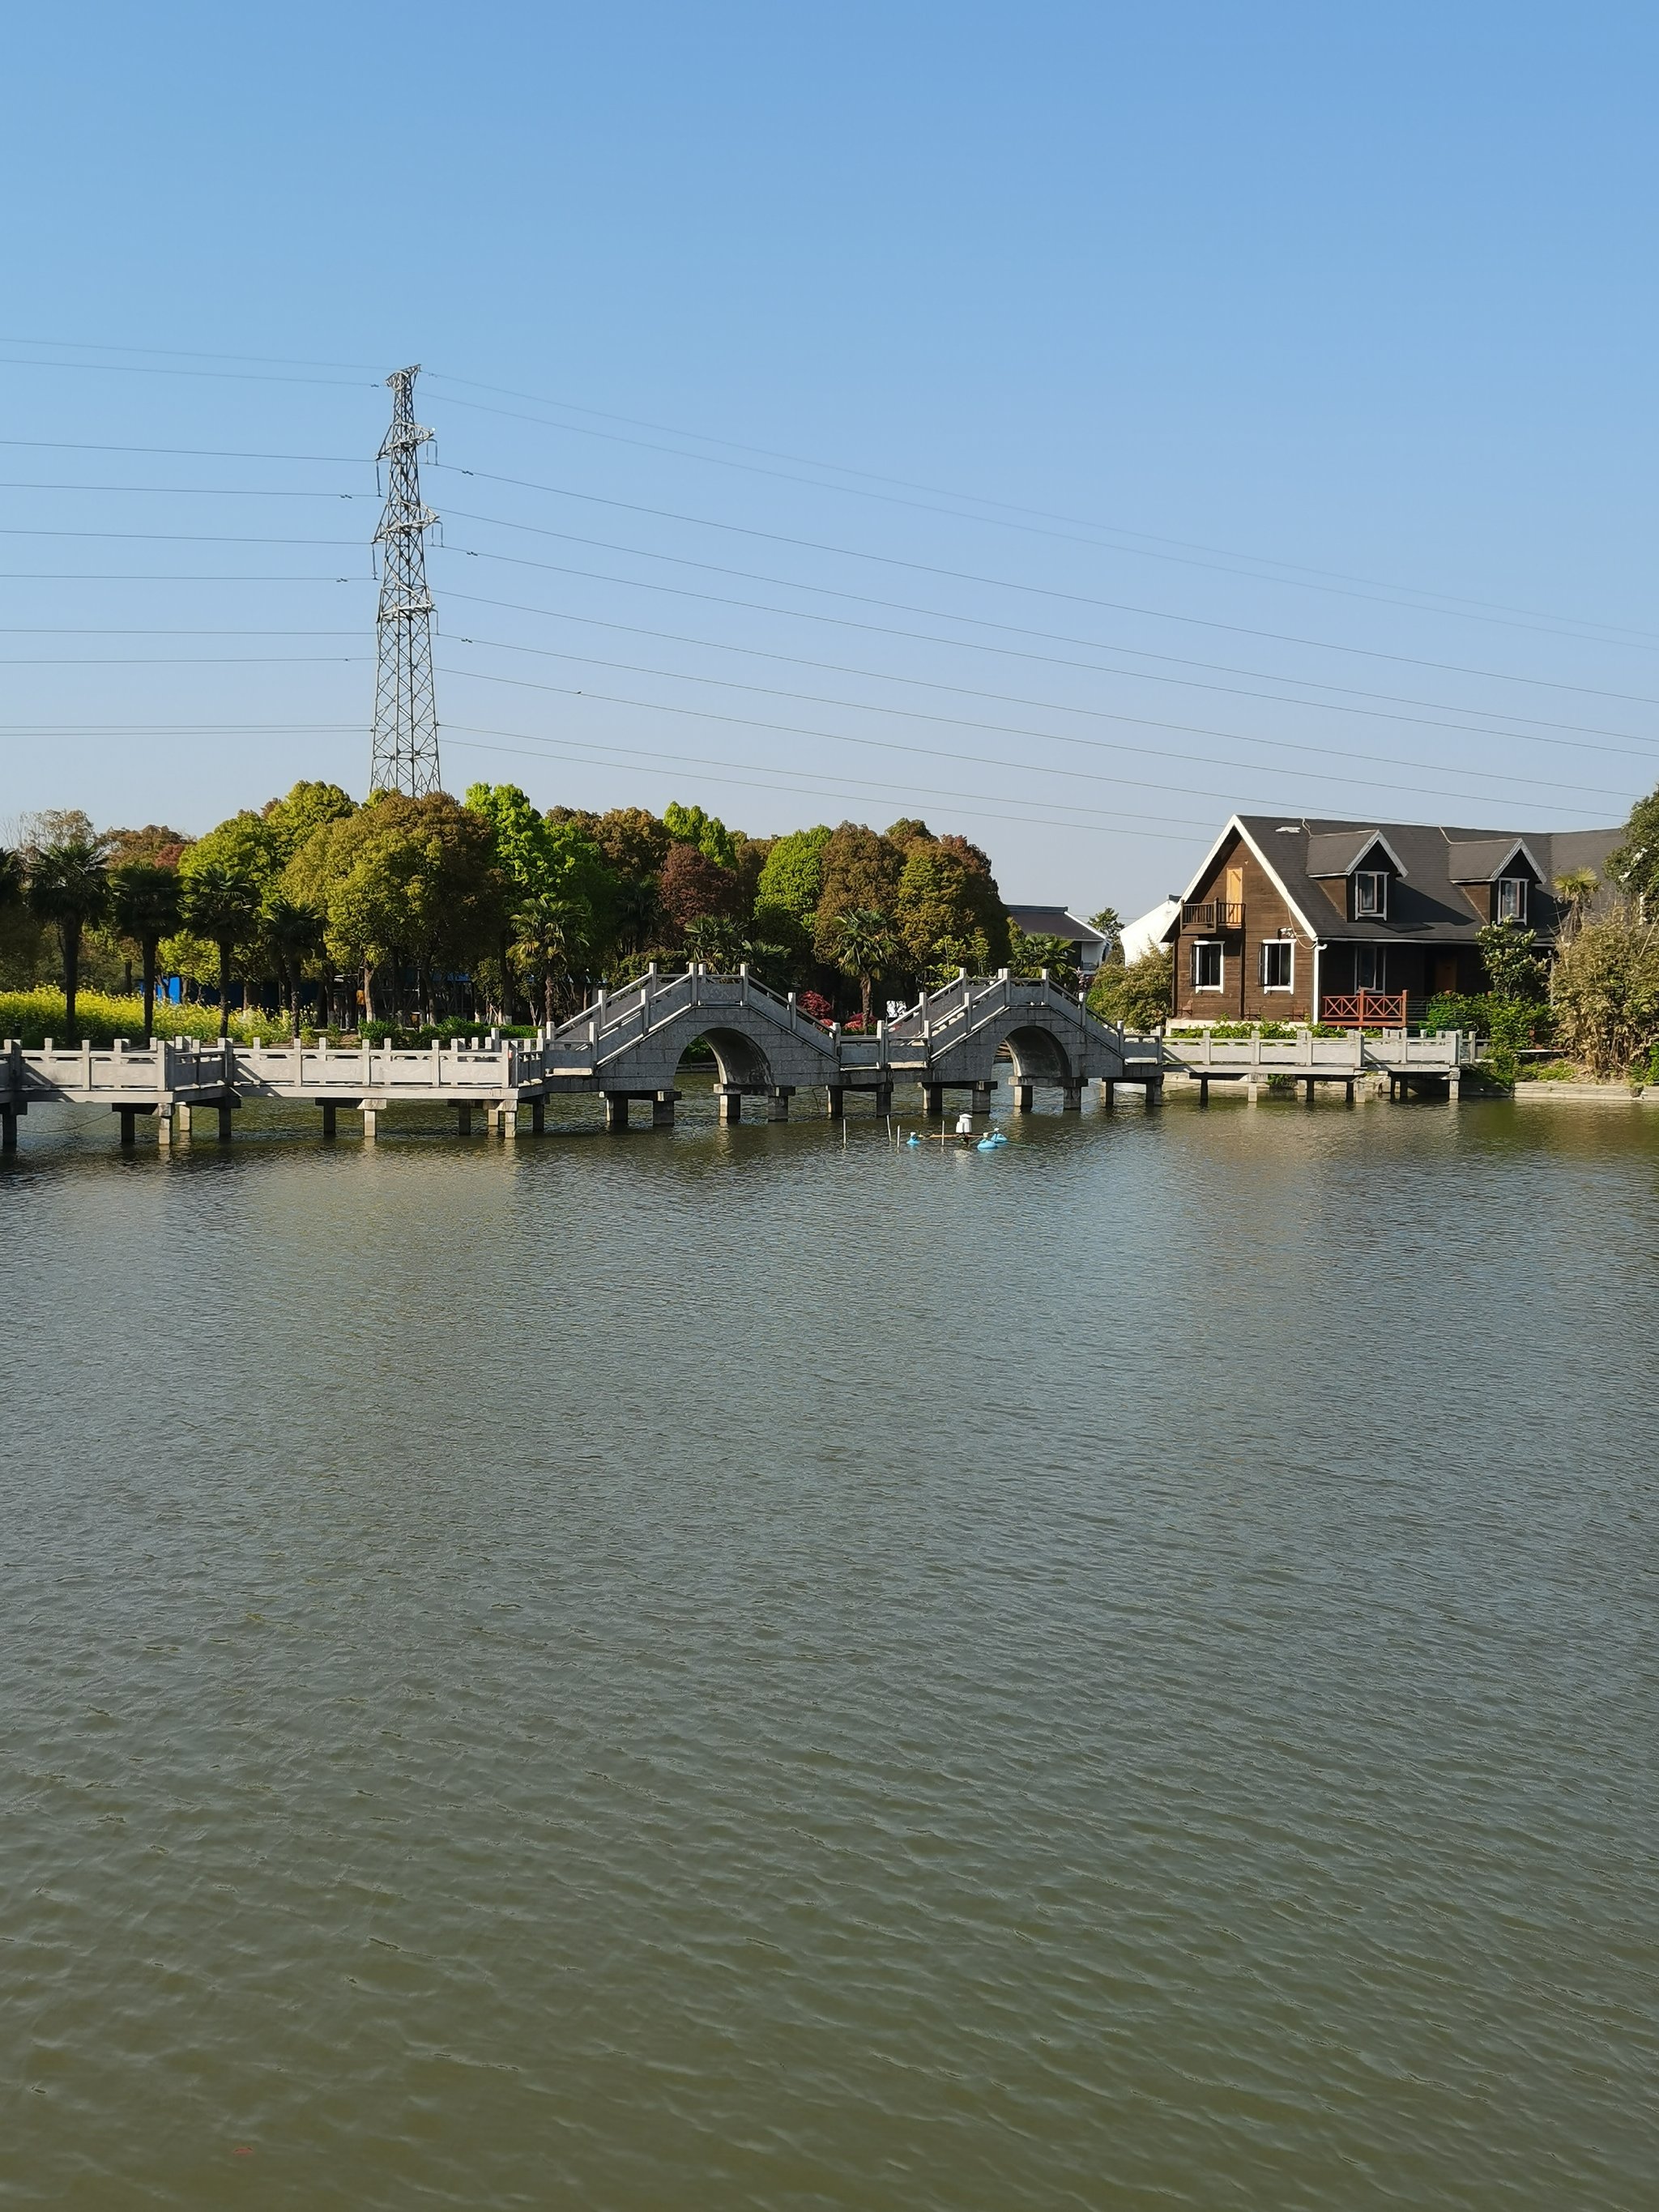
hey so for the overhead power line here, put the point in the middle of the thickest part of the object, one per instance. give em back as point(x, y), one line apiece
point(1025, 766)
point(967, 576)
point(1152, 547)
point(1055, 706)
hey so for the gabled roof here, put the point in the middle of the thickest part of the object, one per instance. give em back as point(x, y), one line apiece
point(1429, 905)
point(1483, 859)
point(1339, 852)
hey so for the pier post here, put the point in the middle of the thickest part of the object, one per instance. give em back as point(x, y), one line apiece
point(164, 1127)
point(932, 1101)
point(1071, 1098)
point(837, 1098)
point(615, 1109)
point(507, 1115)
point(983, 1094)
point(330, 1110)
point(1022, 1097)
point(225, 1111)
point(1308, 1087)
point(731, 1105)
point(1454, 1086)
point(1108, 1090)
point(464, 1118)
point(1348, 1092)
point(1152, 1094)
point(128, 1127)
point(1252, 1090)
point(1203, 1090)
point(883, 1098)
point(186, 1127)
point(777, 1105)
point(662, 1110)
point(371, 1124)
point(8, 1128)
point(538, 1117)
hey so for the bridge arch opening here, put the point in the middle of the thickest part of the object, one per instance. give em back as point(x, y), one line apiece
point(1038, 1056)
point(739, 1062)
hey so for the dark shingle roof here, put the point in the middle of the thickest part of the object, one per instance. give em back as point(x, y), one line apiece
point(1428, 906)
point(1054, 921)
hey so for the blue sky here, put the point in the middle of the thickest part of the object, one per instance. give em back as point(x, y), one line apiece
point(1310, 348)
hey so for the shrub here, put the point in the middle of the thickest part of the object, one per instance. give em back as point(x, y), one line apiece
point(32, 1017)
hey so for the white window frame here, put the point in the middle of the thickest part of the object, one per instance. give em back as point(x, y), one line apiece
point(1202, 945)
point(1287, 946)
point(1515, 886)
point(1371, 884)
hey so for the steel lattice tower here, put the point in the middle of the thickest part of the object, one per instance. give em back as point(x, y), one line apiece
point(405, 752)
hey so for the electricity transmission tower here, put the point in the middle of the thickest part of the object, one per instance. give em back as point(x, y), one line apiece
point(405, 751)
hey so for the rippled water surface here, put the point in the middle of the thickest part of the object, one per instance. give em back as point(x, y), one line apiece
point(734, 1669)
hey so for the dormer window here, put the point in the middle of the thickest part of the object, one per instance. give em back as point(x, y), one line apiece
point(1511, 900)
point(1370, 895)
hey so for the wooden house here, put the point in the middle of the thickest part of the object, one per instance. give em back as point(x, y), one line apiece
point(1300, 920)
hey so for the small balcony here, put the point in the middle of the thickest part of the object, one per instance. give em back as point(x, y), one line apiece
point(1213, 914)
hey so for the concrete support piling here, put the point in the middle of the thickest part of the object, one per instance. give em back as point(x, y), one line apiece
point(8, 1129)
point(1071, 1098)
point(464, 1118)
point(508, 1116)
point(225, 1112)
point(835, 1098)
point(370, 1125)
point(731, 1107)
point(128, 1128)
point(330, 1112)
point(662, 1110)
point(615, 1109)
point(1022, 1097)
point(1347, 1089)
point(883, 1098)
point(777, 1105)
point(164, 1127)
point(538, 1116)
point(932, 1101)
point(1108, 1090)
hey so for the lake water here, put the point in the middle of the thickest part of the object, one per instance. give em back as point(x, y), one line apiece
point(736, 1668)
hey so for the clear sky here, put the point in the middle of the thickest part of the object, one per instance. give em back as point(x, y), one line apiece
point(1310, 348)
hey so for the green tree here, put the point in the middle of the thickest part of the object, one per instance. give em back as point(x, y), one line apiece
point(1515, 973)
point(1573, 893)
point(547, 931)
point(11, 879)
point(1137, 995)
point(293, 932)
point(689, 825)
point(866, 949)
point(791, 884)
point(1634, 866)
point(144, 906)
point(1029, 956)
point(220, 903)
point(306, 808)
point(938, 910)
point(69, 887)
point(1109, 922)
point(1606, 992)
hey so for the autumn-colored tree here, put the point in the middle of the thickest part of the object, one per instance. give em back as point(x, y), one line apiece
point(862, 873)
point(692, 886)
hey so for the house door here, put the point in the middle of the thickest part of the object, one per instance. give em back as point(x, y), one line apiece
point(1232, 890)
point(1445, 973)
point(1370, 967)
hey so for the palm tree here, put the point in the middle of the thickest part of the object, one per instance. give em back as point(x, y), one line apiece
point(11, 879)
point(68, 887)
point(1574, 891)
point(223, 905)
point(546, 929)
point(865, 948)
point(295, 933)
point(144, 903)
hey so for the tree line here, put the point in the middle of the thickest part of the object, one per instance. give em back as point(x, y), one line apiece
point(408, 913)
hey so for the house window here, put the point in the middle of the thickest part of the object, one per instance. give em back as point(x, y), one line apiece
point(1511, 898)
point(1370, 896)
point(1207, 966)
point(1278, 958)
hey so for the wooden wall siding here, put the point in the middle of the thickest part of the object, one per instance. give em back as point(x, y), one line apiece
point(1241, 998)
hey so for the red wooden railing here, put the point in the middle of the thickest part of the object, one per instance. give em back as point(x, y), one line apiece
point(1367, 1010)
